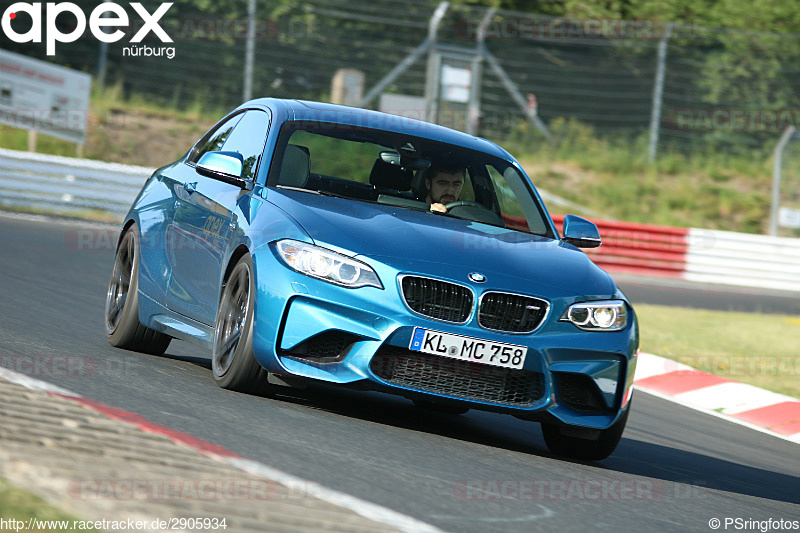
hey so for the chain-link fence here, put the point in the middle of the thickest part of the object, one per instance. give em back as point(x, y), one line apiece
point(689, 88)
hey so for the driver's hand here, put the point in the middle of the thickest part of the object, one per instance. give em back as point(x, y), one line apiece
point(438, 208)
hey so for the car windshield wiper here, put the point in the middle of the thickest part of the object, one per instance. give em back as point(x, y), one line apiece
point(334, 195)
point(301, 189)
point(468, 219)
point(312, 191)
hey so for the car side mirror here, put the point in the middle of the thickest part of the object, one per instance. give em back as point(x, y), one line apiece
point(581, 232)
point(224, 166)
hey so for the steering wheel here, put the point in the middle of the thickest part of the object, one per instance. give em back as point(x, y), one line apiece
point(483, 214)
point(463, 203)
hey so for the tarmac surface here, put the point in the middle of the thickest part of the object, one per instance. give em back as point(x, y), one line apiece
point(90, 455)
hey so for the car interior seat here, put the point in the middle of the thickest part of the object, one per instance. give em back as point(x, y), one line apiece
point(295, 167)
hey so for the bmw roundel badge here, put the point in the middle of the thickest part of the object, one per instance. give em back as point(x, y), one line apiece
point(477, 277)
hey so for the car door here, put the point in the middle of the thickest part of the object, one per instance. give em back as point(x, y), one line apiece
point(155, 208)
point(207, 213)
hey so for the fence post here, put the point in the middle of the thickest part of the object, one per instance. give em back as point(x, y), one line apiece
point(658, 92)
point(434, 65)
point(102, 61)
point(102, 57)
point(433, 27)
point(777, 163)
point(249, 54)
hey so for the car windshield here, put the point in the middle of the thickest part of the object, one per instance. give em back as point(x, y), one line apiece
point(402, 170)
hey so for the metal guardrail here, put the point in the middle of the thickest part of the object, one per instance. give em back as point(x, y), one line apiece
point(742, 259)
point(55, 184)
point(707, 256)
point(641, 249)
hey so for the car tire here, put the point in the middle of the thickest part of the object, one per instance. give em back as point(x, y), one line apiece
point(123, 329)
point(232, 361)
point(585, 449)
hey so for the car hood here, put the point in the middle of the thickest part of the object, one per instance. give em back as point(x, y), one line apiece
point(442, 246)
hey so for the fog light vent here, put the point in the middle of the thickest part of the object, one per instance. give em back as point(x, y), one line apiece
point(328, 346)
point(579, 392)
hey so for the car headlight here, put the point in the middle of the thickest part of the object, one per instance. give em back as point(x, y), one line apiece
point(609, 315)
point(327, 265)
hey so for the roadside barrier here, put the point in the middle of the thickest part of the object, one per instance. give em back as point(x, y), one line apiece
point(56, 184)
point(743, 259)
point(639, 248)
point(695, 254)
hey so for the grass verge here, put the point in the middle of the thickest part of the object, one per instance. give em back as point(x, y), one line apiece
point(759, 349)
point(20, 505)
point(92, 215)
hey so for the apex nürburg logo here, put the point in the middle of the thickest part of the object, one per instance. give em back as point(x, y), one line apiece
point(106, 15)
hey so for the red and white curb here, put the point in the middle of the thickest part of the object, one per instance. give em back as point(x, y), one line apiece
point(695, 254)
point(368, 510)
point(744, 404)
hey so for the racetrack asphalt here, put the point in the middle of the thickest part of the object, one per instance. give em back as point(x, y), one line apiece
point(675, 469)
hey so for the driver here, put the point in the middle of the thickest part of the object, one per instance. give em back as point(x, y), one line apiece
point(443, 183)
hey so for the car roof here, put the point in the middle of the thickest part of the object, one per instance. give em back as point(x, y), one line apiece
point(341, 114)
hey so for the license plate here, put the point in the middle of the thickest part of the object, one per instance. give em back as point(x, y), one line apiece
point(468, 348)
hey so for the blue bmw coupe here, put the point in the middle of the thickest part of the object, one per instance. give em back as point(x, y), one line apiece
point(303, 241)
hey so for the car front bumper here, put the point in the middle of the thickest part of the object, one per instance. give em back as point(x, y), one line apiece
point(307, 328)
